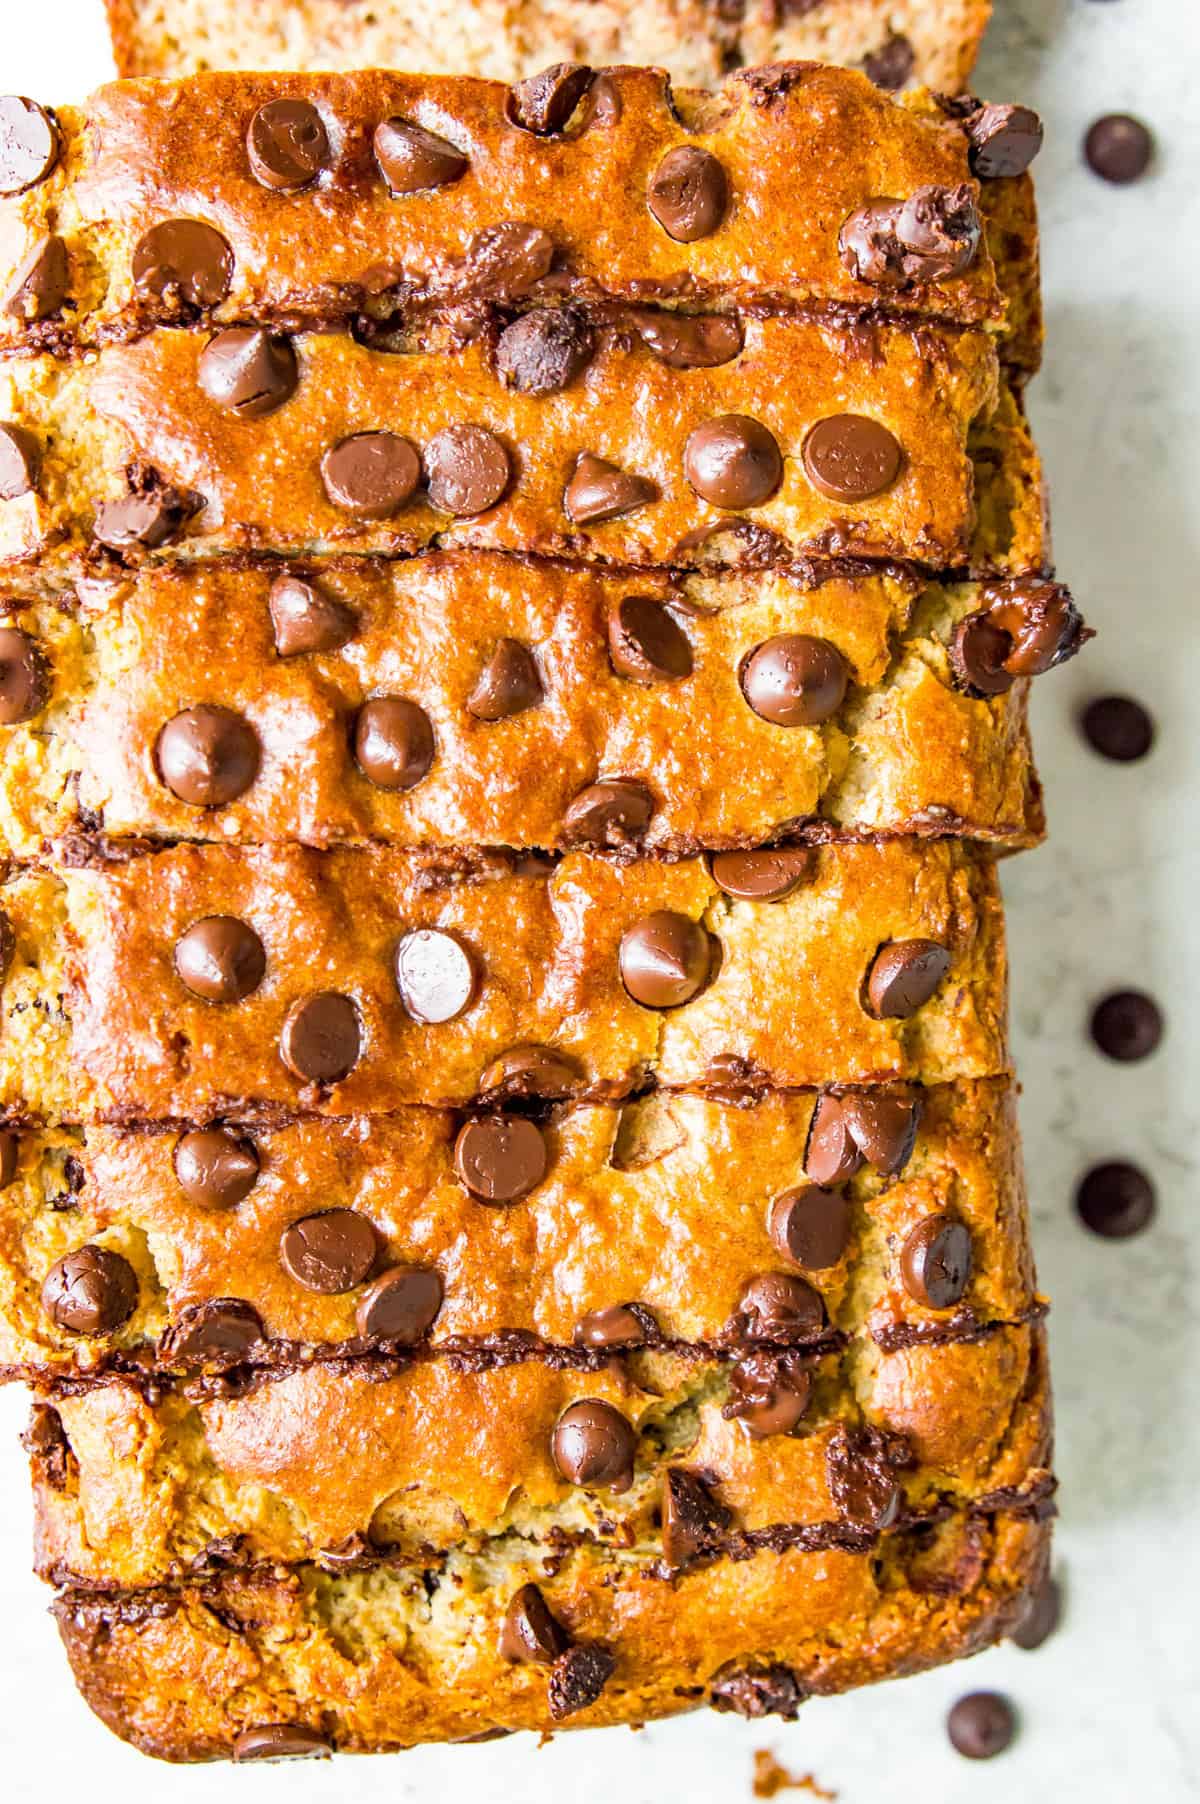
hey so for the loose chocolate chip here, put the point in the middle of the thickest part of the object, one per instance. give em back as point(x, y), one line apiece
point(531, 1631)
point(891, 66)
point(281, 1741)
point(401, 1305)
point(1041, 1618)
point(20, 462)
point(1127, 1025)
point(150, 518)
point(620, 1325)
point(304, 620)
point(90, 1291)
point(330, 1252)
point(500, 1158)
point(544, 351)
point(287, 144)
point(577, 1678)
point(694, 1523)
point(216, 1167)
point(832, 1154)
point(531, 1071)
point(435, 975)
point(766, 876)
point(509, 259)
point(593, 1444)
point(646, 642)
point(768, 1393)
point(1003, 140)
point(849, 457)
point(248, 371)
point(468, 470)
point(613, 813)
point(794, 680)
point(935, 1262)
point(184, 263)
point(208, 756)
point(884, 1128)
point(931, 237)
point(24, 679)
point(665, 959)
point(977, 650)
point(28, 144)
point(732, 461)
point(810, 1226)
point(1118, 148)
point(1118, 728)
point(860, 1468)
point(543, 103)
point(688, 193)
point(687, 341)
point(371, 474)
point(508, 684)
point(9, 1146)
point(411, 159)
point(393, 742)
point(757, 1691)
point(38, 285)
point(221, 1333)
point(321, 1039)
point(779, 1307)
point(1115, 1200)
point(904, 974)
point(981, 1725)
point(598, 491)
point(220, 959)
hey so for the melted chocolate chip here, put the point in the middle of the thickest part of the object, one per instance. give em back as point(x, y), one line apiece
point(646, 642)
point(543, 103)
point(207, 756)
point(1118, 727)
point(220, 959)
point(1118, 148)
point(593, 1444)
point(20, 462)
point(281, 1741)
point(1115, 1200)
point(500, 1158)
point(1127, 1025)
point(1041, 1617)
point(24, 678)
point(768, 1394)
point(810, 1226)
point(531, 1632)
point(90, 1291)
point(694, 1523)
point(688, 193)
point(508, 684)
point(936, 1260)
point(304, 620)
point(757, 1691)
point(981, 1725)
point(620, 1325)
point(600, 491)
point(1003, 140)
point(687, 341)
point(150, 518)
point(665, 959)
point(794, 680)
point(183, 263)
point(38, 285)
point(371, 474)
point(765, 876)
point(393, 742)
point(977, 650)
point(28, 144)
point(531, 1071)
point(884, 1128)
point(400, 1306)
point(850, 457)
point(9, 1148)
point(220, 1333)
point(577, 1678)
point(468, 470)
point(216, 1167)
point(904, 974)
point(545, 350)
point(321, 1039)
point(732, 461)
point(412, 159)
point(509, 259)
point(248, 371)
point(435, 975)
point(330, 1252)
point(614, 813)
point(860, 1467)
point(779, 1307)
point(931, 237)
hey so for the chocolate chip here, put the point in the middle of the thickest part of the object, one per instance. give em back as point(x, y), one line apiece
point(183, 263)
point(904, 974)
point(220, 959)
point(38, 285)
point(620, 1325)
point(577, 1678)
point(8, 946)
point(90, 1291)
point(977, 650)
point(401, 1305)
point(1118, 148)
point(330, 1252)
point(207, 756)
point(1041, 1618)
point(1003, 140)
point(509, 259)
point(281, 1741)
point(303, 619)
point(612, 813)
point(598, 490)
point(732, 461)
point(411, 159)
point(1118, 728)
point(932, 236)
point(287, 144)
point(779, 1307)
point(20, 462)
point(593, 1444)
point(849, 457)
point(220, 1333)
point(216, 1167)
point(371, 474)
point(1028, 626)
point(468, 470)
point(544, 351)
point(393, 742)
point(765, 876)
point(500, 1158)
point(769, 1393)
point(24, 679)
point(150, 518)
point(531, 1071)
point(665, 959)
point(981, 1725)
point(935, 1262)
point(248, 371)
point(891, 66)
point(1127, 1025)
point(690, 341)
point(794, 680)
point(757, 1691)
point(884, 1128)
point(9, 1148)
point(646, 642)
point(810, 1226)
point(688, 193)
point(832, 1154)
point(860, 1468)
point(694, 1523)
point(1115, 1200)
point(604, 100)
point(321, 1039)
point(531, 1632)
point(508, 684)
point(543, 103)
point(434, 974)
point(28, 144)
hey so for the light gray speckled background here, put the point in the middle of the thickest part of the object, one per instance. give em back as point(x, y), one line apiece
point(1111, 1707)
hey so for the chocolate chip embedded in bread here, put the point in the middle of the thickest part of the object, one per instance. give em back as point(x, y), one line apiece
point(287, 145)
point(9, 1149)
point(24, 678)
point(620, 1325)
point(508, 684)
point(216, 1167)
point(29, 144)
point(38, 285)
point(509, 259)
point(645, 641)
point(757, 1691)
point(412, 159)
point(977, 650)
point(207, 756)
point(500, 1158)
point(981, 1725)
point(371, 474)
point(732, 461)
point(543, 103)
point(330, 1252)
point(779, 1307)
point(1003, 140)
point(217, 1334)
point(594, 1444)
point(891, 66)
point(544, 350)
point(794, 680)
point(932, 236)
point(614, 812)
point(688, 193)
point(393, 742)
point(531, 1631)
point(531, 1071)
point(281, 1741)
point(598, 490)
point(935, 1262)
point(91, 1291)
point(763, 876)
point(20, 462)
point(468, 470)
point(861, 1468)
point(769, 1393)
point(183, 263)
point(321, 1039)
point(577, 1678)
point(904, 975)
point(665, 959)
point(810, 1226)
point(1042, 623)
point(1118, 148)
point(435, 975)
point(248, 371)
point(305, 620)
point(690, 341)
point(850, 457)
point(694, 1522)
point(400, 1306)
point(832, 1154)
point(884, 1128)
point(150, 518)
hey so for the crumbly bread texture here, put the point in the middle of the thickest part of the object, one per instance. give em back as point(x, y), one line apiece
point(896, 40)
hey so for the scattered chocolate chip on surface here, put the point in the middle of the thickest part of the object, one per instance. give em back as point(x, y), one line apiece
point(1115, 1200)
point(509, 683)
point(932, 236)
point(614, 812)
point(400, 1306)
point(321, 1039)
point(500, 1158)
point(688, 193)
point(577, 1678)
point(904, 975)
point(851, 457)
point(1118, 728)
point(733, 461)
point(810, 1226)
point(690, 341)
point(217, 1334)
point(545, 350)
point(184, 263)
point(91, 1291)
point(794, 680)
point(330, 1252)
point(287, 145)
point(531, 1070)
point(779, 1307)
point(599, 491)
point(769, 1393)
point(981, 1725)
point(619, 1325)
point(646, 643)
point(833, 1153)
point(1127, 1025)
point(468, 470)
point(435, 975)
point(694, 1522)
point(1003, 140)
point(412, 159)
point(891, 66)
point(763, 876)
point(371, 474)
point(304, 619)
point(247, 371)
point(393, 742)
point(208, 756)
point(509, 259)
point(594, 1444)
point(1118, 148)
point(936, 1260)
point(665, 959)
point(220, 959)
point(216, 1167)
point(531, 1631)
point(543, 103)
point(28, 144)
point(884, 1128)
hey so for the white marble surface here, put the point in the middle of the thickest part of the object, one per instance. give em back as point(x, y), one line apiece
point(1110, 1708)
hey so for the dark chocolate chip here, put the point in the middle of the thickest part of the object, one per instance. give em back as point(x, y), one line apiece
point(531, 1071)
point(1115, 1200)
point(500, 1158)
point(281, 1741)
point(757, 1691)
point(508, 684)
point(401, 1305)
point(248, 371)
point(150, 518)
point(690, 341)
point(779, 1307)
point(216, 1167)
point(604, 100)
point(665, 959)
point(593, 1444)
point(321, 1039)
point(20, 462)
point(545, 350)
point(1041, 620)
point(732, 461)
point(304, 620)
point(184, 263)
point(435, 975)
point(577, 1678)
point(694, 1523)
point(1118, 728)
point(765, 876)
point(611, 813)
point(509, 259)
point(24, 678)
point(330, 1252)
point(531, 1632)
point(208, 756)
point(412, 159)
point(1118, 148)
point(468, 470)
point(891, 66)
point(810, 1226)
point(90, 1291)
point(38, 285)
point(220, 1333)
point(1041, 1618)
point(1127, 1025)
point(884, 1128)
point(645, 641)
point(981, 1725)
point(287, 144)
point(221, 959)
point(977, 650)
point(598, 490)
point(832, 1154)
point(935, 1262)
point(371, 474)
point(860, 1467)
point(28, 144)
point(9, 1148)
point(543, 103)
point(768, 1394)
point(1003, 140)
point(932, 236)
point(904, 974)
point(620, 1325)
point(393, 742)
point(795, 680)
point(8, 946)
point(688, 193)
point(850, 457)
